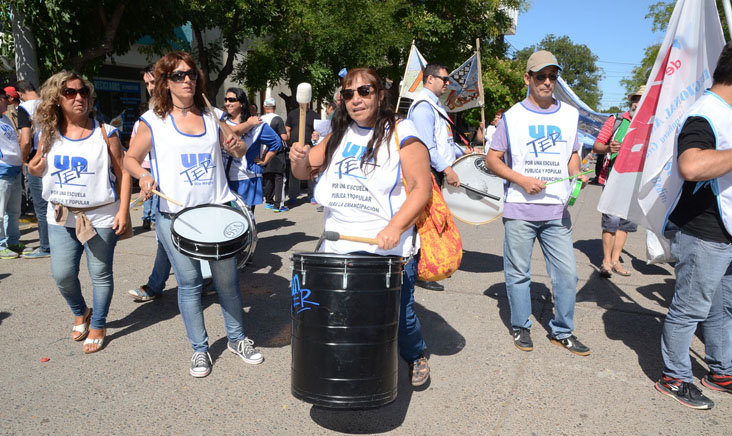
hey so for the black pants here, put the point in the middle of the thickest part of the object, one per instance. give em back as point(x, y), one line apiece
point(272, 188)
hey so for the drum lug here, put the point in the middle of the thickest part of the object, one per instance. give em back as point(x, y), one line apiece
point(345, 274)
point(304, 273)
point(388, 275)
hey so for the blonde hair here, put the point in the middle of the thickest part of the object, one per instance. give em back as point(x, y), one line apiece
point(48, 115)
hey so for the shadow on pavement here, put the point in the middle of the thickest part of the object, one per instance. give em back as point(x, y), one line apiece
point(274, 225)
point(4, 315)
point(479, 262)
point(441, 338)
point(367, 421)
point(542, 306)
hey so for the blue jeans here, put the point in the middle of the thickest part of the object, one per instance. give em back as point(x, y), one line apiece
point(9, 210)
point(150, 208)
point(411, 344)
point(190, 285)
point(555, 240)
point(160, 271)
point(703, 294)
point(65, 257)
point(39, 207)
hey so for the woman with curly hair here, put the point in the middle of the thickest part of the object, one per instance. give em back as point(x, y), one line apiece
point(185, 146)
point(80, 161)
point(361, 160)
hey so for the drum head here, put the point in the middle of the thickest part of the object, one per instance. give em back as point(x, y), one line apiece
point(210, 224)
point(467, 205)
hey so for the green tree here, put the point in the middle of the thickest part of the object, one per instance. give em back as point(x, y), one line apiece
point(579, 68)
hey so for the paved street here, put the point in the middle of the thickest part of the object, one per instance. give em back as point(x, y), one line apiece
point(481, 384)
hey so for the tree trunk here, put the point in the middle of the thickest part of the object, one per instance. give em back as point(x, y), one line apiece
point(106, 41)
point(26, 55)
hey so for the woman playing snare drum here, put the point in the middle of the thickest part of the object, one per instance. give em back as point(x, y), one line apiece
point(361, 161)
point(185, 144)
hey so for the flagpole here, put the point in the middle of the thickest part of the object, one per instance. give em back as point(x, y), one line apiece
point(480, 89)
point(401, 88)
point(728, 15)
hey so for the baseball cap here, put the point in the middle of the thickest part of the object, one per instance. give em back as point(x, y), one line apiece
point(269, 101)
point(638, 93)
point(541, 59)
point(10, 91)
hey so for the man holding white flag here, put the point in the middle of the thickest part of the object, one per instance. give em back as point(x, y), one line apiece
point(700, 227)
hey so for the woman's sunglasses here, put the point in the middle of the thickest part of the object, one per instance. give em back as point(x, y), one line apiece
point(363, 91)
point(180, 76)
point(231, 99)
point(70, 93)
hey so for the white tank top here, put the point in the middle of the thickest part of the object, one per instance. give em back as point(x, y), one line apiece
point(188, 168)
point(362, 203)
point(9, 147)
point(446, 147)
point(540, 146)
point(79, 174)
point(239, 166)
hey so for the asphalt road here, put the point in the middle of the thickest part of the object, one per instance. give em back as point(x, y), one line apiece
point(481, 384)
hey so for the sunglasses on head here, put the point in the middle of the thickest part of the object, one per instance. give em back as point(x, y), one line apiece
point(445, 79)
point(180, 76)
point(71, 92)
point(231, 99)
point(363, 91)
point(542, 76)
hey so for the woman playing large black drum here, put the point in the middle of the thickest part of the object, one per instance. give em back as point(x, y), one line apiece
point(362, 170)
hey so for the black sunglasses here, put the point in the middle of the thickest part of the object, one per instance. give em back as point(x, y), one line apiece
point(180, 76)
point(445, 79)
point(363, 91)
point(231, 99)
point(71, 92)
point(542, 77)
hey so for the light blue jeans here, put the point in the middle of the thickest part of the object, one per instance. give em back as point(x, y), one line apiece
point(9, 210)
point(555, 240)
point(411, 343)
point(39, 207)
point(190, 285)
point(703, 294)
point(65, 257)
point(150, 208)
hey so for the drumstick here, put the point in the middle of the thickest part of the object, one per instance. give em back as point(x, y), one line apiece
point(303, 97)
point(479, 192)
point(161, 195)
point(567, 178)
point(224, 127)
point(335, 236)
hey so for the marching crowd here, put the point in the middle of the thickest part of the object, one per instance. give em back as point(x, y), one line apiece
point(184, 155)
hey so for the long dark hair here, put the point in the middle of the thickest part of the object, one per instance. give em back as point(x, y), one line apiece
point(243, 99)
point(165, 66)
point(383, 128)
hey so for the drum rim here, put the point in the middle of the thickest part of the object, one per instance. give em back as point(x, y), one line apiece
point(443, 188)
point(339, 257)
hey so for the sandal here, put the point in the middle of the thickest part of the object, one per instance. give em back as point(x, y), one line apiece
point(419, 371)
point(82, 328)
point(604, 272)
point(620, 270)
point(98, 343)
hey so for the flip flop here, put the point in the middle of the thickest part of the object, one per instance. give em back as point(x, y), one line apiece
point(82, 328)
point(98, 342)
point(620, 270)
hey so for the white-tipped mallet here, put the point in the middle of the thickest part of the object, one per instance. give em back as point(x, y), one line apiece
point(304, 96)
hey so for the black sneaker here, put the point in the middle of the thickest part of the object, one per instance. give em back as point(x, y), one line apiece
point(683, 392)
point(572, 344)
point(522, 339)
point(718, 382)
point(432, 286)
point(146, 224)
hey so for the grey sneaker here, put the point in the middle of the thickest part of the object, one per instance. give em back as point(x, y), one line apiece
point(245, 349)
point(522, 339)
point(7, 253)
point(200, 364)
point(35, 254)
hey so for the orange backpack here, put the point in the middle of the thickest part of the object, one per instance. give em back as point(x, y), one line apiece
point(441, 247)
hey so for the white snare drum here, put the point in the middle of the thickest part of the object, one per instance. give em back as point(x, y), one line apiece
point(246, 254)
point(479, 198)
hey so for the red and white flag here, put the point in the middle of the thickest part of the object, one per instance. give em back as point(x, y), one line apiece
point(644, 183)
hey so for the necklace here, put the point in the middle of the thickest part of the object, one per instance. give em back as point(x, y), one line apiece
point(184, 110)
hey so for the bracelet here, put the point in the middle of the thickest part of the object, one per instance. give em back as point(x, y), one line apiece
point(144, 175)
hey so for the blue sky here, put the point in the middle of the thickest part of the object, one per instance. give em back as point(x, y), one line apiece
point(617, 32)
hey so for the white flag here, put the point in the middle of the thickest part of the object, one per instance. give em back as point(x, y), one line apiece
point(412, 81)
point(644, 182)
